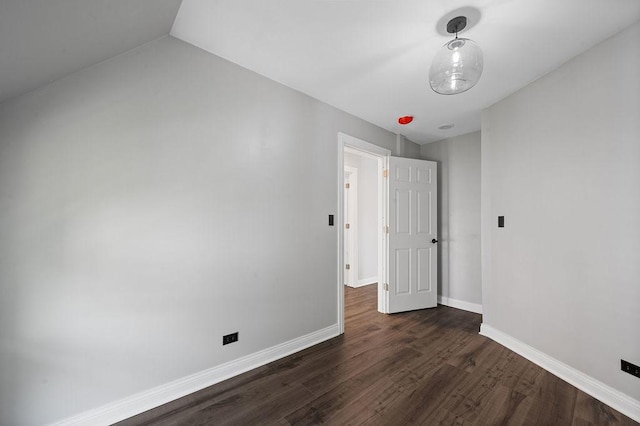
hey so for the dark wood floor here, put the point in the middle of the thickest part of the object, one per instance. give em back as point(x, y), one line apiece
point(423, 367)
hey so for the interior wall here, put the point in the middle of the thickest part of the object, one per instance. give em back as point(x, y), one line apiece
point(459, 269)
point(150, 205)
point(367, 216)
point(561, 162)
point(411, 149)
point(405, 148)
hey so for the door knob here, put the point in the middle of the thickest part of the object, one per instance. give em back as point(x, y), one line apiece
point(434, 241)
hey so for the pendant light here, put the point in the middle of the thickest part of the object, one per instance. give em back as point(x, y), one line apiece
point(457, 66)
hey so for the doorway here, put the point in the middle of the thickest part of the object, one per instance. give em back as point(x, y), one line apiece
point(406, 229)
point(351, 214)
point(379, 156)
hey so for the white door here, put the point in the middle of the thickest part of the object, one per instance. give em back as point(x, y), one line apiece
point(413, 254)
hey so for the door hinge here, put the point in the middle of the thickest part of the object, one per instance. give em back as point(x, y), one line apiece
point(347, 266)
point(385, 286)
point(346, 185)
point(385, 173)
point(386, 229)
point(346, 226)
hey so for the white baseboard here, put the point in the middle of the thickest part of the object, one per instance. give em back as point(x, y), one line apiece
point(460, 304)
point(152, 398)
point(615, 399)
point(367, 281)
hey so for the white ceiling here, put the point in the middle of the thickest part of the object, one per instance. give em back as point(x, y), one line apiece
point(371, 57)
point(44, 40)
point(367, 57)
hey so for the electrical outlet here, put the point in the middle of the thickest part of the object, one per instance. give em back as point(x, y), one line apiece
point(229, 338)
point(627, 367)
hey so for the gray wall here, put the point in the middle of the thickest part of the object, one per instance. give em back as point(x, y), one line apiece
point(411, 149)
point(405, 148)
point(459, 269)
point(151, 204)
point(561, 162)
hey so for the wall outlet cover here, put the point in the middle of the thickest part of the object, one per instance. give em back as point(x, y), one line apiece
point(229, 338)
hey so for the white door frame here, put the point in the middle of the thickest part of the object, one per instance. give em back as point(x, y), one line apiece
point(382, 156)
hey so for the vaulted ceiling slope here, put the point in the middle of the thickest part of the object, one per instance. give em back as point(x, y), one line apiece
point(371, 58)
point(44, 40)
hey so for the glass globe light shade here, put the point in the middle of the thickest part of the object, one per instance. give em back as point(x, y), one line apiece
point(456, 68)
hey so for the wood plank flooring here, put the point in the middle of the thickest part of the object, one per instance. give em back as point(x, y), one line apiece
point(424, 367)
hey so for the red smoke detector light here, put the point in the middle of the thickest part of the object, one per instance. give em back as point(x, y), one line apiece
point(405, 120)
